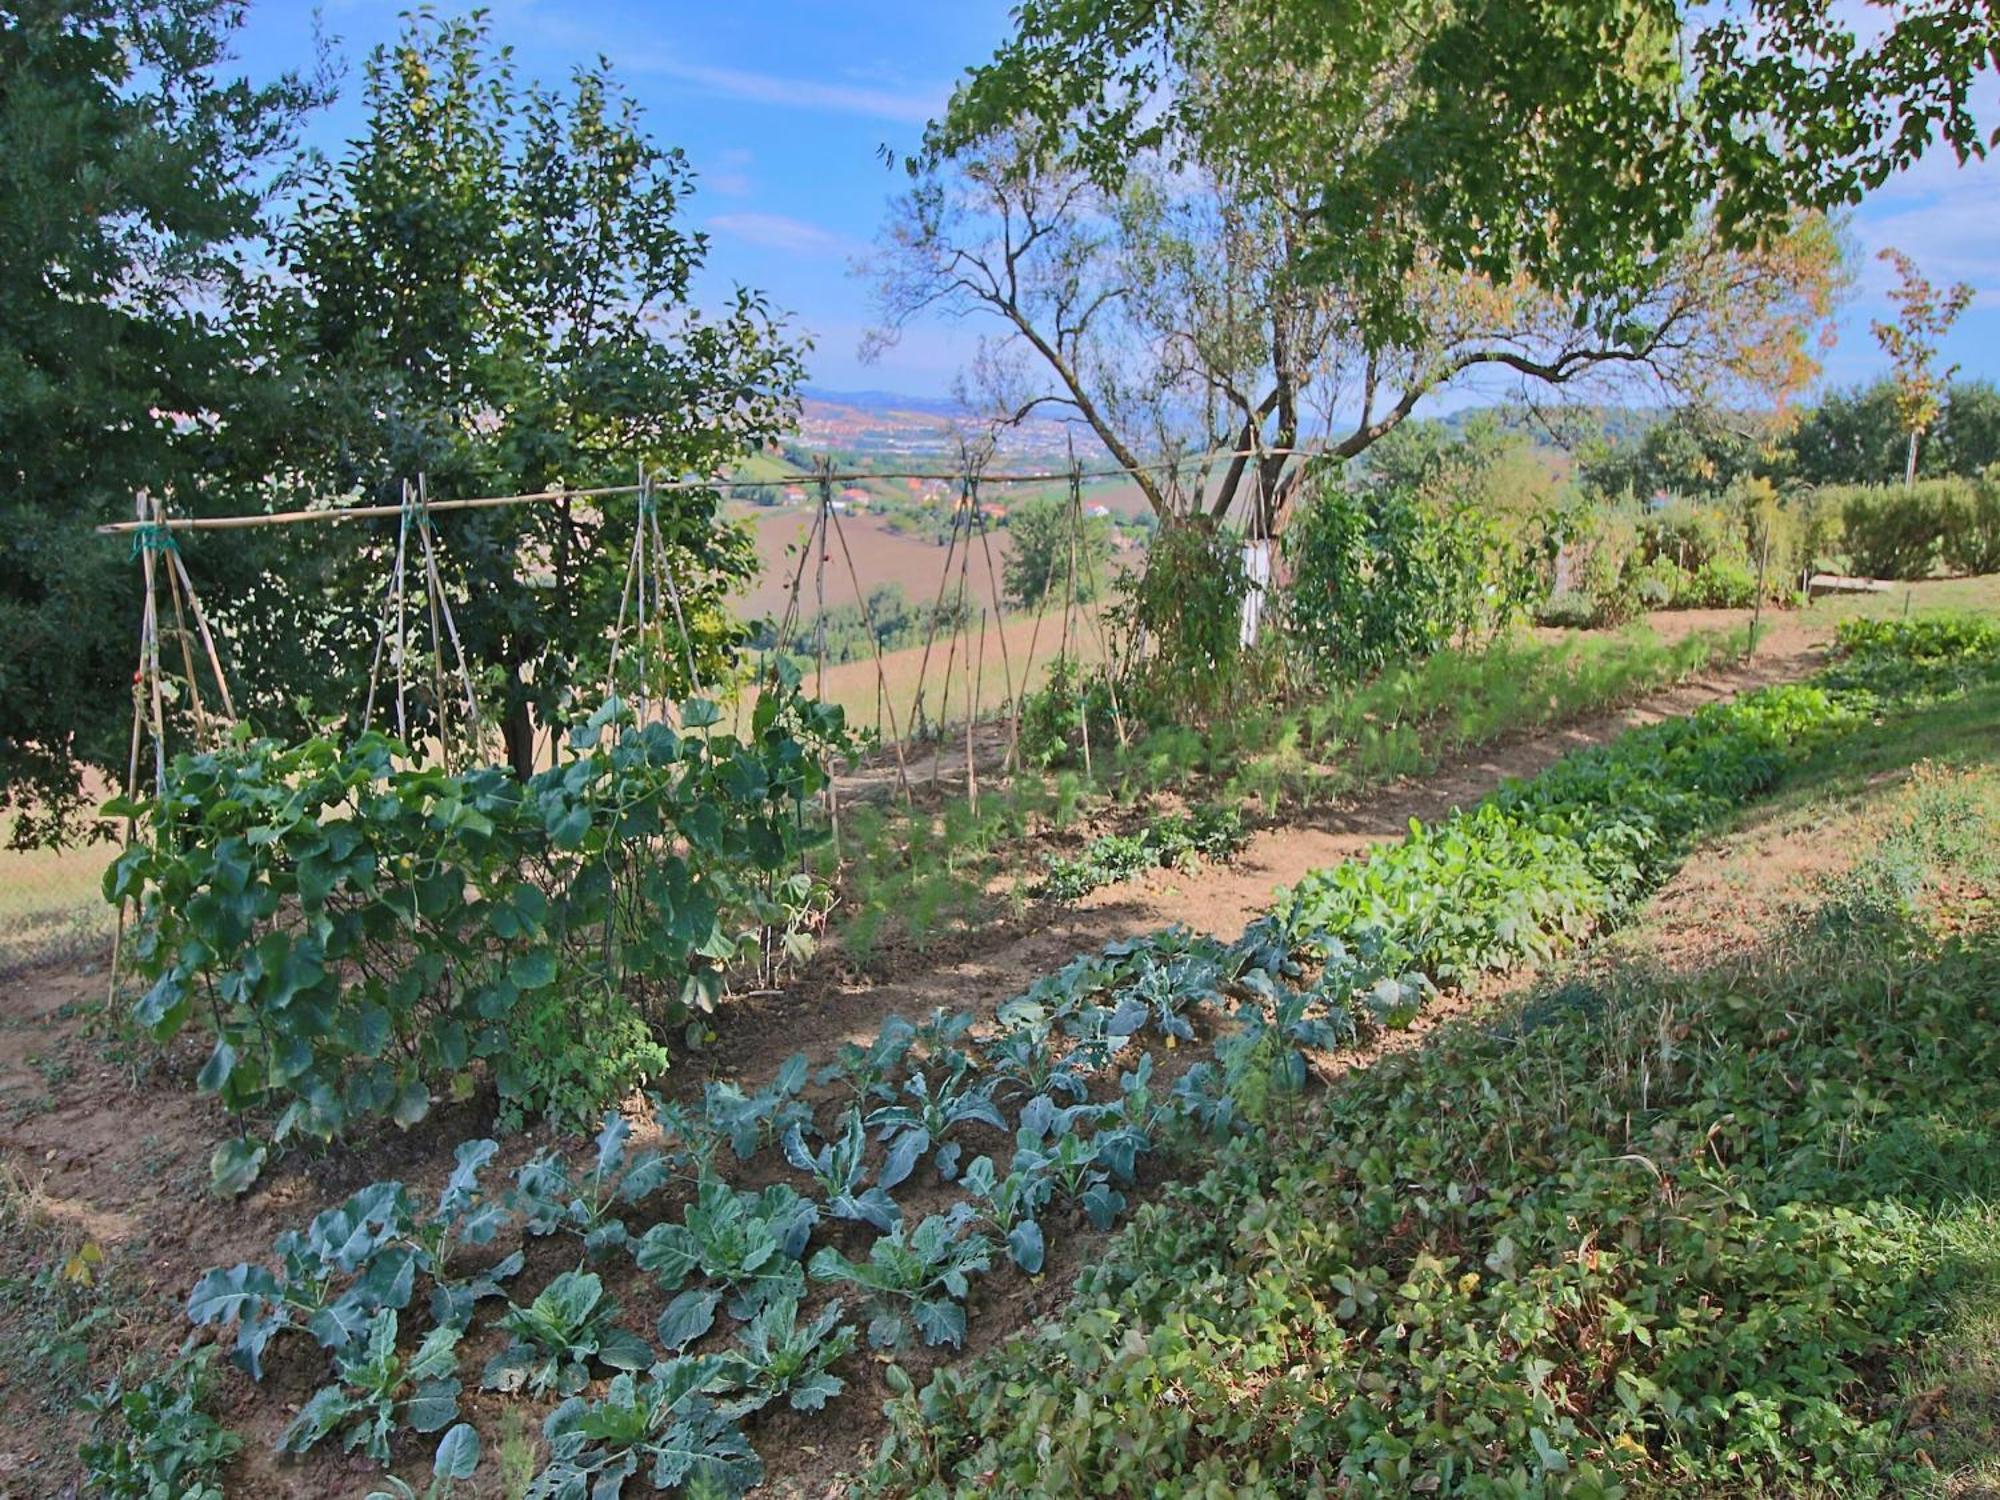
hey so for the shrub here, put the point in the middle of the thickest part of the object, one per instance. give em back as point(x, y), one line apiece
point(1721, 583)
point(356, 934)
point(1073, 702)
point(1971, 541)
point(1187, 606)
point(1894, 532)
point(1378, 577)
point(1690, 536)
point(155, 1440)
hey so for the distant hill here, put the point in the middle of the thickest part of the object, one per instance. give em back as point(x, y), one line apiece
point(884, 428)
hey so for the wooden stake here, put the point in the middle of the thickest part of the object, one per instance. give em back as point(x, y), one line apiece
point(972, 718)
point(882, 698)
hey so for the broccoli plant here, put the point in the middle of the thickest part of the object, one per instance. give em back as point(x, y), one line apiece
point(1126, 1129)
point(1022, 1059)
point(870, 1071)
point(1169, 980)
point(750, 1242)
point(925, 1114)
point(918, 1278)
point(353, 1261)
point(777, 1355)
point(1267, 1052)
point(667, 1425)
point(465, 1215)
point(1201, 1095)
point(1070, 1163)
point(457, 1458)
point(556, 1336)
point(695, 1141)
point(749, 1122)
point(549, 1196)
point(940, 1039)
point(1012, 1205)
point(376, 1390)
point(1098, 1033)
point(840, 1166)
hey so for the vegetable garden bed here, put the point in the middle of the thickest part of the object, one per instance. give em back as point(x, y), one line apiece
point(924, 1111)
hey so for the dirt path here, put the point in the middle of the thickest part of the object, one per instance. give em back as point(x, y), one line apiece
point(95, 1150)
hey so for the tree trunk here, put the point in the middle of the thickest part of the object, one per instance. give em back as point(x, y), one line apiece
point(1910, 466)
point(517, 728)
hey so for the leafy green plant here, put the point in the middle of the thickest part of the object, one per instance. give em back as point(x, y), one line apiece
point(929, 1111)
point(356, 1260)
point(777, 1355)
point(358, 935)
point(548, 1197)
point(1012, 1205)
point(840, 1167)
point(375, 1391)
point(155, 1440)
point(1052, 1150)
point(750, 1122)
point(870, 1071)
point(916, 1278)
point(749, 1242)
point(555, 1338)
point(667, 1426)
point(1211, 833)
point(1023, 1058)
point(1734, 1336)
point(457, 1458)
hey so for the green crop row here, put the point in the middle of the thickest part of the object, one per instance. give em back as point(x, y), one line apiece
point(1174, 842)
point(357, 936)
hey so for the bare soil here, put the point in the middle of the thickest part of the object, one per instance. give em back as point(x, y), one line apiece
point(113, 1150)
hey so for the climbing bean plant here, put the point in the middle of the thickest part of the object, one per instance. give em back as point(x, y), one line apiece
point(357, 935)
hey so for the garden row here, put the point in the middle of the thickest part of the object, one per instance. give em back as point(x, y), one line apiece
point(1647, 1233)
point(919, 872)
point(356, 936)
point(1041, 1123)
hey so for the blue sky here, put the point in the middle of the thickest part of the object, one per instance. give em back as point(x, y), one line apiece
point(783, 106)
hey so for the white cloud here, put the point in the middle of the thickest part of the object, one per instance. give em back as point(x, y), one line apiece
point(1947, 230)
point(782, 232)
point(904, 106)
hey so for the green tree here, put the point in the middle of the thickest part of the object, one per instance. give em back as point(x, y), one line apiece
point(1855, 435)
point(1691, 452)
point(1924, 315)
point(1046, 549)
point(492, 288)
point(1563, 143)
point(134, 169)
point(1967, 439)
point(1852, 436)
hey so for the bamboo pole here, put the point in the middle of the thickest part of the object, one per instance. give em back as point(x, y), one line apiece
point(977, 677)
point(337, 514)
point(882, 698)
point(819, 680)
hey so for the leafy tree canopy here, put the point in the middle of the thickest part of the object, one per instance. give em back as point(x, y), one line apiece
point(135, 169)
point(1856, 436)
point(1054, 553)
point(493, 289)
point(1567, 143)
